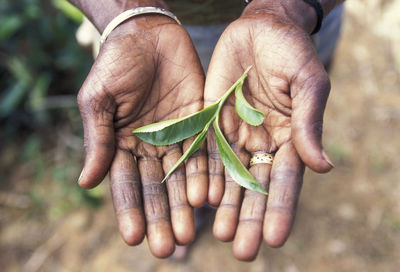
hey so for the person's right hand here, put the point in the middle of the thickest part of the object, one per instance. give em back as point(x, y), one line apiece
point(147, 71)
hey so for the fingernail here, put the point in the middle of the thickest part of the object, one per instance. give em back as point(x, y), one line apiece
point(326, 157)
point(81, 175)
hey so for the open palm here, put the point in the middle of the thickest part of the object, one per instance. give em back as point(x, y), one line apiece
point(289, 85)
point(146, 72)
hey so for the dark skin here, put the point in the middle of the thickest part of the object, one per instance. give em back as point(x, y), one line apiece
point(289, 85)
point(141, 76)
point(148, 71)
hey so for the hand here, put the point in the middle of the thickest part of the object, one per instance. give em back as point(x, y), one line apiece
point(147, 71)
point(289, 85)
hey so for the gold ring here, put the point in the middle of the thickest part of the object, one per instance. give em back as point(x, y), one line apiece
point(261, 158)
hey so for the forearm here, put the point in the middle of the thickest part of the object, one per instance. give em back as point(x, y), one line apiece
point(101, 12)
point(298, 11)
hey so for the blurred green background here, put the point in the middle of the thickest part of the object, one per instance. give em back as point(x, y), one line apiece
point(41, 70)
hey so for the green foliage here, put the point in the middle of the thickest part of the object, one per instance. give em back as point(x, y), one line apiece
point(69, 10)
point(167, 132)
point(235, 168)
point(176, 130)
point(39, 58)
point(41, 65)
point(249, 114)
point(196, 145)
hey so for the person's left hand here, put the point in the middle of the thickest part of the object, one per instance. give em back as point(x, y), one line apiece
point(289, 85)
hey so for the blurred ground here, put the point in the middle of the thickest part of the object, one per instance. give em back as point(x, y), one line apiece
point(348, 220)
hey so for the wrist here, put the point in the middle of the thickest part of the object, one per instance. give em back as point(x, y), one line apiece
point(101, 12)
point(296, 12)
point(122, 24)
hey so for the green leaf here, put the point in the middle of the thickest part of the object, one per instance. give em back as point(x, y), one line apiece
point(39, 91)
point(12, 98)
point(202, 136)
point(222, 100)
point(197, 143)
point(9, 25)
point(175, 130)
point(69, 10)
point(249, 114)
point(20, 70)
point(172, 131)
point(233, 165)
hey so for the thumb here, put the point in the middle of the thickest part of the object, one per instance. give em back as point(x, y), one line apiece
point(310, 91)
point(97, 112)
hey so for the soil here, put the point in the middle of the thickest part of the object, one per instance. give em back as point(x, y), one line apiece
point(347, 220)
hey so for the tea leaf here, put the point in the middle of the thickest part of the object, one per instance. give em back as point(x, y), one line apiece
point(249, 114)
point(176, 130)
point(232, 163)
point(197, 143)
point(222, 100)
point(172, 131)
point(202, 136)
point(69, 10)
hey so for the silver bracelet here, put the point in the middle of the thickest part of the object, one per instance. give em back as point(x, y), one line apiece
point(131, 13)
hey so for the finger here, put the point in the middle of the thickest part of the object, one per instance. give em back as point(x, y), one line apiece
point(182, 218)
point(284, 189)
point(196, 176)
point(97, 111)
point(159, 232)
point(249, 232)
point(215, 171)
point(222, 73)
point(310, 92)
point(226, 218)
point(127, 199)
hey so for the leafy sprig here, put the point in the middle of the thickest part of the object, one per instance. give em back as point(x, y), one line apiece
point(176, 130)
